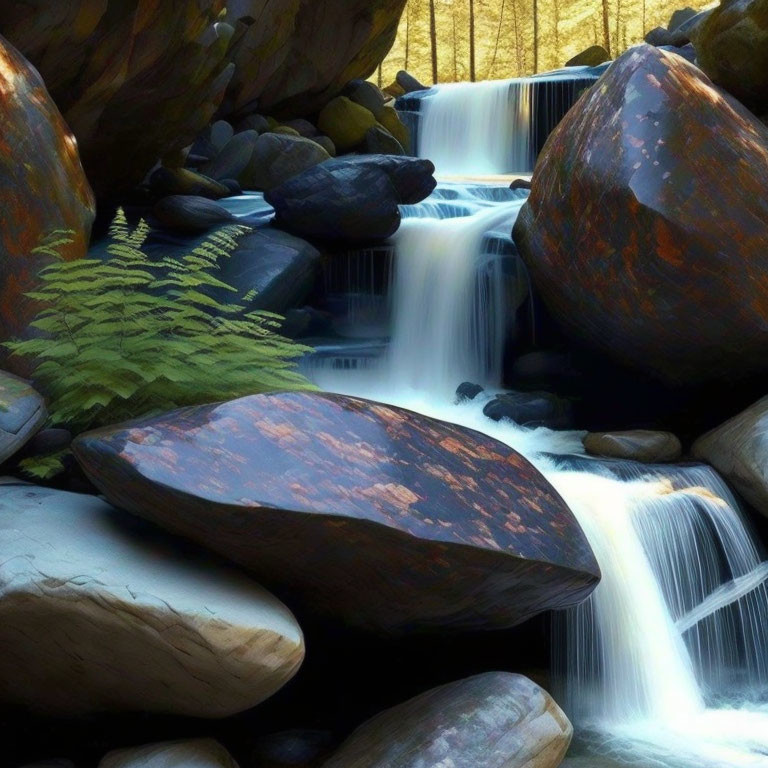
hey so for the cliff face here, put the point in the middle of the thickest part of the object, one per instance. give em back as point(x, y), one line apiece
point(138, 79)
point(517, 37)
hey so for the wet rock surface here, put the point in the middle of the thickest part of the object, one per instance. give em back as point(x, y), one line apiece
point(635, 445)
point(647, 205)
point(421, 512)
point(199, 753)
point(22, 414)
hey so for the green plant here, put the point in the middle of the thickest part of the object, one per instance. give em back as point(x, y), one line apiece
point(127, 336)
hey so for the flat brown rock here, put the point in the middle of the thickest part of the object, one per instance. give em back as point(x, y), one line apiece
point(644, 445)
point(373, 514)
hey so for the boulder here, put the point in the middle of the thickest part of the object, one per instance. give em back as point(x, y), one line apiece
point(738, 450)
point(590, 57)
point(221, 133)
point(495, 720)
point(189, 213)
point(333, 499)
point(659, 36)
point(352, 198)
point(646, 231)
point(345, 122)
point(294, 56)
point(680, 17)
point(409, 83)
point(135, 81)
point(234, 158)
point(277, 159)
point(285, 130)
point(467, 391)
point(22, 414)
point(641, 445)
point(181, 181)
point(196, 753)
point(379, 141)
point(302, 127)
point(326, 144)
point(531, 409)
point(42, 190)
point(732, 48)
point(100, 612)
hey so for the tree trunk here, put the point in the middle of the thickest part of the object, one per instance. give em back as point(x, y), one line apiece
point(606, 28)
point(472, 68)
point(498, 38)
point(433, 38)
point(407, 35)
point(455, 49)
point(536, 35)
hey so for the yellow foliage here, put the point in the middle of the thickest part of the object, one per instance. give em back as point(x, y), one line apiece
point(516, 37)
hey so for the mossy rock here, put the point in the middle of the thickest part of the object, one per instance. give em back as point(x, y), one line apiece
point(590, 57)
point(389, 118)
point(345, 122)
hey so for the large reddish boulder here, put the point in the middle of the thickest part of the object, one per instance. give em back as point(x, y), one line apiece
point(43, 190)
point(646, 230)
point(381, 517)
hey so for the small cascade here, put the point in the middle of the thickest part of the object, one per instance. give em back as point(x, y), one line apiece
point(492, 127)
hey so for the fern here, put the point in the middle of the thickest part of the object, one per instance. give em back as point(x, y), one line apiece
point(127, 336)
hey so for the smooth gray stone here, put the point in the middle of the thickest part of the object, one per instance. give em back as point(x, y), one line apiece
point(197, 753)
point(22, 414)
point(190, 213)
point(100, 612)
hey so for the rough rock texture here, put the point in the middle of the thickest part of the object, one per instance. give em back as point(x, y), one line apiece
point(198, 753)
point(98, 612)
point(277, 159)
point(42, 188)
point(732, 48)
point(135, 79)
point(345, 122)
point(646, 231)
point(22, 414)
point(298, 54)
point(450, 529)
point(635, 445)
point(738, 449)
point(495, 720)
point(589, 57)
point(352, 198)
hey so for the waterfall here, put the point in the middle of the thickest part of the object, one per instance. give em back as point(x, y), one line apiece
point(666, 665)
point(478, 129)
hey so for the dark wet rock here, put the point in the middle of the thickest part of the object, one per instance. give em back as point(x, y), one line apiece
point(292, 749)
point(345, 122)
point(732, 46)
point(646, 231)
point(366, 94)
point(379, 141)
point(738, 449)
point(531, 409)
point(520, 184)
point(492, 720)
point(659, 36)
point(352, 198)
point(687, 51)
point(590, 57)
point(647, 446)
point(101, 613)
point(233, 185)
point(22, 414)
point(277, 159)
point(408, 82)
point(234, 157)
point(189, 213)
point(195, 753)
point(165, 182)
point(302, 127)
point(389, 118)
point(42, 189)
point(681, 16)
point(326, 144)
point(467, 391)
point(354, 493)
point(51, 440)
point(220, 134)
point(281, 269)
point(257, 123)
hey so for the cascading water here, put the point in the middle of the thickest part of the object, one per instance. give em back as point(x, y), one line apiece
point(478, 128)
point(666, 666)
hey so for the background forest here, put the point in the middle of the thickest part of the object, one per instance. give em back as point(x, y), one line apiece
point(497, 39)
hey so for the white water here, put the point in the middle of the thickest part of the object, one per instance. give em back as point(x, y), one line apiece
point(665, 666)
point(478, 128)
